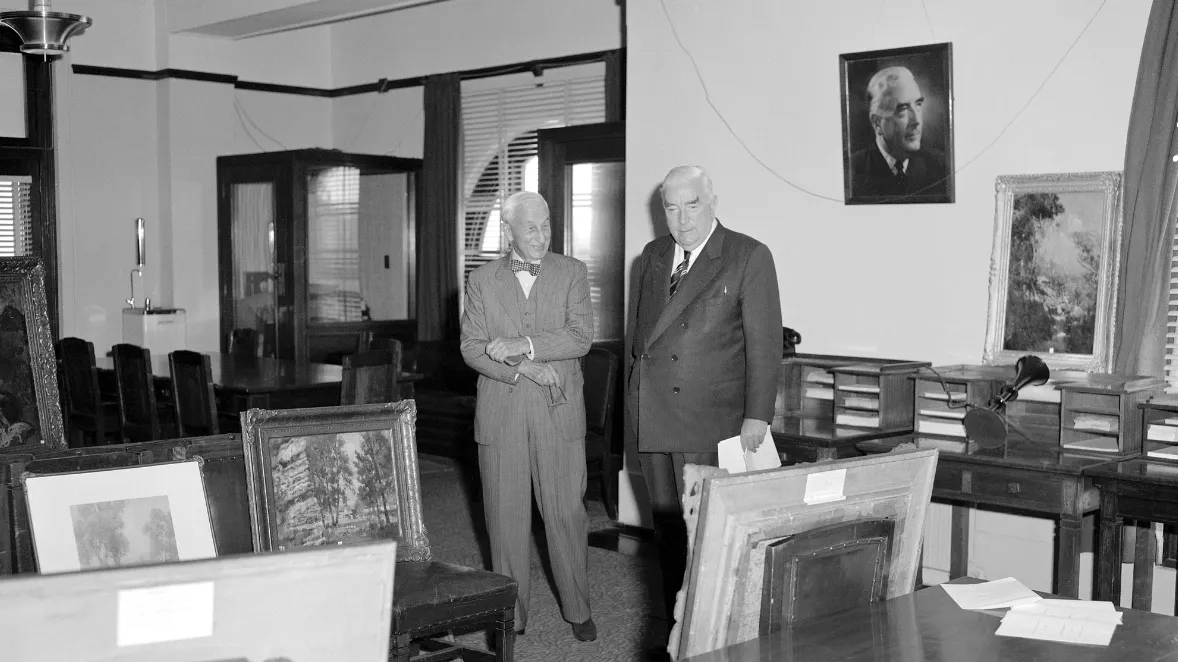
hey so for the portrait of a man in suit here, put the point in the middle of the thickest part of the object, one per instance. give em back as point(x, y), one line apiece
point(897, 128)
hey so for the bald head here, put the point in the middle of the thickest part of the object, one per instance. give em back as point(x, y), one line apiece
point(896, 110)
point(525, 218)
point(690, 205)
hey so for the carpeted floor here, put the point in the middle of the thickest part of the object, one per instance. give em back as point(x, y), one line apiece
point(628, 622)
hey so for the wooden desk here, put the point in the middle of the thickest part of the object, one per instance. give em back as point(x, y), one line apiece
point(928, 626)
point(1025, 476)
point(810, 438)
point(1139, 489)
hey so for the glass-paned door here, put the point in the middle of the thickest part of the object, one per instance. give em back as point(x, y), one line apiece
point(256, 283)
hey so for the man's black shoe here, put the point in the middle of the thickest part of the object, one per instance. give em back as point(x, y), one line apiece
point(586, 631)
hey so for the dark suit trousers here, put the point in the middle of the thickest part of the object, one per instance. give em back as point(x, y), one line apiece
point(534, 456)
point(664, 482)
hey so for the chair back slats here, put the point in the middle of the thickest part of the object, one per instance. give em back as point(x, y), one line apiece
point(81, 397)
point(137, 405)
point(192, 393)
point(369, 377)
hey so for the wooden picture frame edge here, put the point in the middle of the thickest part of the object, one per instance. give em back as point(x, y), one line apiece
point(42, 356)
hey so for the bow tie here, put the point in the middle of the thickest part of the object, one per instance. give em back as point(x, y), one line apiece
point(520, 265)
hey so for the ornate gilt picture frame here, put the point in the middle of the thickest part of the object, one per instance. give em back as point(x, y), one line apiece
point(30, 406)
point(335, 475)
point(1054, 270)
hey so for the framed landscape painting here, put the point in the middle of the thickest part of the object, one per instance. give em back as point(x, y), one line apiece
point(335, 476)
point(30, 406)
point(1054, 270)
point(112, 518)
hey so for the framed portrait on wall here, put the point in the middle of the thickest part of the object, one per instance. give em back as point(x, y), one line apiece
point(897, 107)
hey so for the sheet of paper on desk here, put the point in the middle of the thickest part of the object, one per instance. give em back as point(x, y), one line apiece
point(997, 594)
point(1055, 628)
point(736, 460)
point(1082, 610)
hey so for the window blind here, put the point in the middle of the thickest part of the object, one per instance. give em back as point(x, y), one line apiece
point(1172, 321)
point(333, 246)
point(16, 217)
point(500, 146)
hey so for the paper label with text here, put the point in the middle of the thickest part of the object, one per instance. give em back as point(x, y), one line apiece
point(165, 613)
point(825, 487)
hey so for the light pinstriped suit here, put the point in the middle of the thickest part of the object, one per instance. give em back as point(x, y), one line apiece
point(524, 442)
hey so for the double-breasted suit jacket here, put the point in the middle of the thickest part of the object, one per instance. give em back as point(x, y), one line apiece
point(709, 357)
point(557, 316)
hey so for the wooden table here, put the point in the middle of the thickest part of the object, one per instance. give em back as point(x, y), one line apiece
point(245, 383)
point(1026, 476)
point(1138, 489)
point(928, 626)
point(812, 438)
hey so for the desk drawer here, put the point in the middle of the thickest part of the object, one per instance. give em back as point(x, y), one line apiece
point(1028, 487)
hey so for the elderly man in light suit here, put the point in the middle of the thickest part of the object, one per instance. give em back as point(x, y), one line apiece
point(527, 322)
point(705, 322)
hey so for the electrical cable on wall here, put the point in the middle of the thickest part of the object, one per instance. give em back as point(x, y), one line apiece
point(242, 113)
point(779, 176)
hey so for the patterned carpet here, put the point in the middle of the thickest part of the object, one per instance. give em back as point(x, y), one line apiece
point(628, 622)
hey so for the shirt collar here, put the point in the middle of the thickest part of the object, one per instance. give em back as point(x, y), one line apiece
point(889, 158)
point(515, 256)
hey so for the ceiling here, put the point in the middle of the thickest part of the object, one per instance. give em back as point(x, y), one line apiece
point(249, 18)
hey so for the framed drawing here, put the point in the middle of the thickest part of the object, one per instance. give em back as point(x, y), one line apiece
point(771, 546)
point(314, 605)
point(30, 406)
point(119, 517)
point(1054, 270)
point(335, 475)
point(897, 107)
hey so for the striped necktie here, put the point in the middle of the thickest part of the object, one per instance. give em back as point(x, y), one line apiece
point(679, 271)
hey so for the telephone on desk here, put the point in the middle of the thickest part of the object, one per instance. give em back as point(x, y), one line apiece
point(789, 340)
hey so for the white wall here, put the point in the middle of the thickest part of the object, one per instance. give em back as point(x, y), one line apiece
point(907, 281)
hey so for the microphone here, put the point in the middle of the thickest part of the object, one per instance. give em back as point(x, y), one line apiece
point(987, 426)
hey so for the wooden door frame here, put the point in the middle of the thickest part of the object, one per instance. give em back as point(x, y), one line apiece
point(560, 148)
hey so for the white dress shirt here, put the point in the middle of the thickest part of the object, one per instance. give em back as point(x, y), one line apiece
point(694, 254)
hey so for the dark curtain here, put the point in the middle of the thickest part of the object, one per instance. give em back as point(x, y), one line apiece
point(615, 86)
point(1149, 206)
point(441, 211)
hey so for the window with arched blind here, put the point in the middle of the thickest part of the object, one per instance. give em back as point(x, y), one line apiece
point(499, 125)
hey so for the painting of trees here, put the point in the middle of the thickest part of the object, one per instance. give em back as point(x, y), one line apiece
point(329, 471)
point(98, 533)
point(1053, 273)
point(162, 536)
point(377, 478)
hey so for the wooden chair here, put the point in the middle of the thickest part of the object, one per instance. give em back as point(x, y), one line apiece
point(138, 412)
point(192, 394)
point(90, 421)
point(243, 342)
point(370, 377)
point(601, 376)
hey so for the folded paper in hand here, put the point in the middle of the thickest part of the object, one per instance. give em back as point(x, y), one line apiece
point(734, 458)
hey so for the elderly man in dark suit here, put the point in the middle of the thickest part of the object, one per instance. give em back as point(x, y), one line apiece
point(896, 165)
point(527, 322)
point(705, 321)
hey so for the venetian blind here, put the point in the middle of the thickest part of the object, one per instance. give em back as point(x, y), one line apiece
point(499, 140)
point(16, 218)
point(1172, 321)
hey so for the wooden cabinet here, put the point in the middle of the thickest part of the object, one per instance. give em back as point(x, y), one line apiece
point(874, 395)
point(1101, 412)
point(315, 246)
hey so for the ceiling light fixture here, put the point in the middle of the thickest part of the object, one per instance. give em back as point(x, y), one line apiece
point(42, 31)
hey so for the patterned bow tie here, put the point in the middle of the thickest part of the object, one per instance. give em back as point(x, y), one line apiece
point(520, 265)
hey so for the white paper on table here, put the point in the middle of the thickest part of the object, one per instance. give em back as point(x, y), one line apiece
point(1053, 628)
point(164, 613)
point(1093, 605)
point(734, 458)
point(1057, 610)
point(1008, 592)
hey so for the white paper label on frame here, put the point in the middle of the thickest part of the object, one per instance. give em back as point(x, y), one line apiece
point(825, 487)
point(165, 613)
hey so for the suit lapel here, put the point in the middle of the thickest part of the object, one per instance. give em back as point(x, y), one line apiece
point(509, 293)
point(545, 281)
point(705, 269)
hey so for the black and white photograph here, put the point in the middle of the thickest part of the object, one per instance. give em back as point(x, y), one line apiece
point(897, 107)
point(112, 534)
